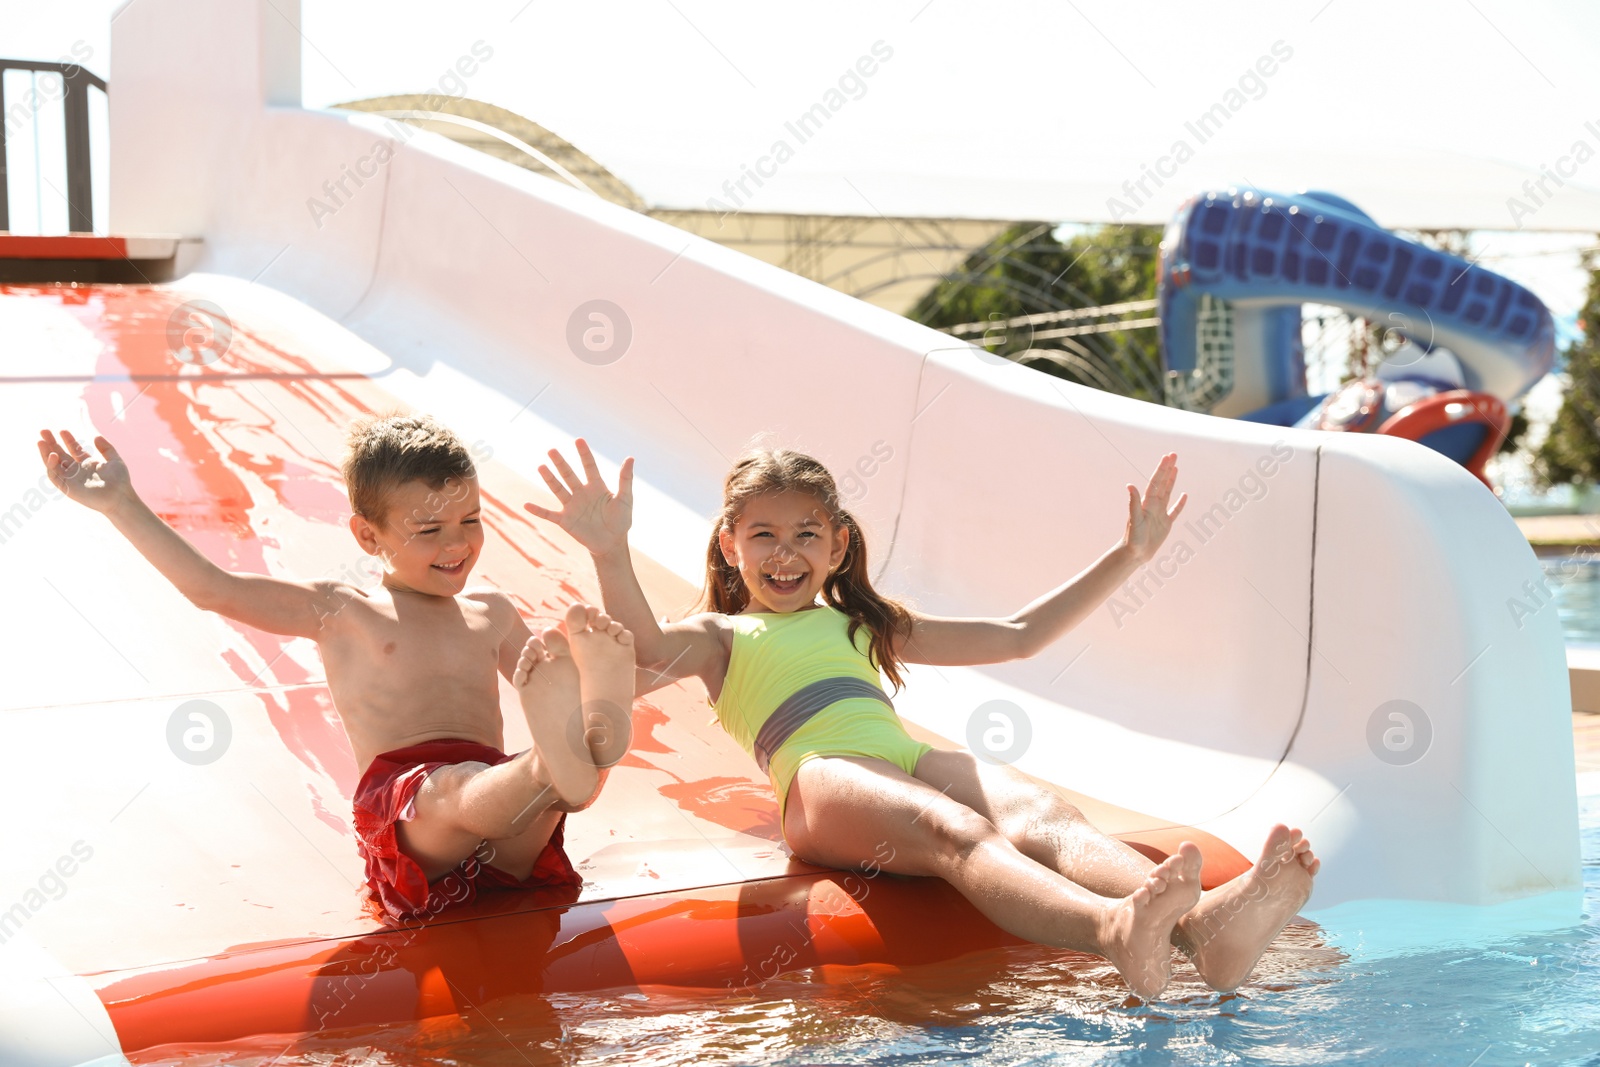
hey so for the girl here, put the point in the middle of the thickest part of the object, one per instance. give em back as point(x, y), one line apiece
point(795, 682)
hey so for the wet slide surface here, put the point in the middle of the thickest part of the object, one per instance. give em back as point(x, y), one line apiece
point(214, 883)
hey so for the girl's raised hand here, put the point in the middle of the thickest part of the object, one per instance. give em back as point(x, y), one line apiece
point(596, 519)
point(100, 484)
point(1149, 520)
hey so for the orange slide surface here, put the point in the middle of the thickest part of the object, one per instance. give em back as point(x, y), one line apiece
point(221, 898)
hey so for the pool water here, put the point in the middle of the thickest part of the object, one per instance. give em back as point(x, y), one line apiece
point(1574, 582)
point(1524, 999)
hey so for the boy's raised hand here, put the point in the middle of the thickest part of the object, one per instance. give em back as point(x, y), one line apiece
point(596, 519)
point(100, 484)
point(1148, 519)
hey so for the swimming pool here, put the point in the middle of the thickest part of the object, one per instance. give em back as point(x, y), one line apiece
point(1531, 999)
point(1574, 582)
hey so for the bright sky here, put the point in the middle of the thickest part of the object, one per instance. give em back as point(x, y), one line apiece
point(1036, 97)
point(1033, 97)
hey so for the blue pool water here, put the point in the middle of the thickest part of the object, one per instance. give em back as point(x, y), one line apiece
point(1496, 1000)
point(1574, 582)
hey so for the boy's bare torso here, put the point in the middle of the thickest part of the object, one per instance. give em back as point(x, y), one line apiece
point(406, 667)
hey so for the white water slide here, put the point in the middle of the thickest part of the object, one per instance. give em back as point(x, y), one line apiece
point(1230, 686)
point(1327, 639)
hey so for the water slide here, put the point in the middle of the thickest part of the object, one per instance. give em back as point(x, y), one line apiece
point(182, 869)
point(1236, 267)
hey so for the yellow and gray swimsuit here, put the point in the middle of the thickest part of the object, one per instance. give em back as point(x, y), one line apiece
point(797, 688)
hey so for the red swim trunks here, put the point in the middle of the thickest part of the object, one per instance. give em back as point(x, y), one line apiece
point(396, 886)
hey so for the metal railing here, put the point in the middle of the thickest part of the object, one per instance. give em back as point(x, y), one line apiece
point(1107, 347)
point(1114, 312)
point(75, 102)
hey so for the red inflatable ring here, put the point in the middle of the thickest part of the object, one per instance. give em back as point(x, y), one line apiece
point(1442, 410)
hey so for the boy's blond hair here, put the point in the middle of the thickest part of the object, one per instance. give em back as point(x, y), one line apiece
point(386, 451)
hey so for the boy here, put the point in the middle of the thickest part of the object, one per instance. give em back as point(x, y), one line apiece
point(441, 811)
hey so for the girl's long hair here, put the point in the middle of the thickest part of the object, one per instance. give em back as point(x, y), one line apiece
point(848, 588)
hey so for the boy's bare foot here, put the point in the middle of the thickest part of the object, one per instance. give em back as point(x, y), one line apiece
point(547, 685)
point(1233, 924)
point(603, 649)
point(1138, 931)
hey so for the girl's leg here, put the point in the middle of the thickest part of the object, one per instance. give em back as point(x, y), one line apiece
point(849, 812)
point(1224, 935)
point(1041, 823)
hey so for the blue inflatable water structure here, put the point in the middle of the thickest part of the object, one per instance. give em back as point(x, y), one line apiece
point(1237, 266)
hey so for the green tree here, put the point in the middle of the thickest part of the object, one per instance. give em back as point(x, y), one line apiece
point(1570, 455)
point(1026, 270)
point(1515, 430)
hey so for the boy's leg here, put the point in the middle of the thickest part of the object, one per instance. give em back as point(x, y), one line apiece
point(1227, 931)
point(511, 806)
point(603, 649)
point(462, 806)
point(588, 676)
point(849, 812)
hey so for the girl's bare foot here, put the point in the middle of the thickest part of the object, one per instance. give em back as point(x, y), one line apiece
point(1138, 930)
point(548, 686)
point(603, 649)
point(1233, 924)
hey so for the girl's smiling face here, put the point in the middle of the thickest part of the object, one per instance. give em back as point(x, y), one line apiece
point(784, 546)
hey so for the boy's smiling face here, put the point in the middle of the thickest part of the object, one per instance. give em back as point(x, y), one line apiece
point(431, 540)
point(787, 535)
